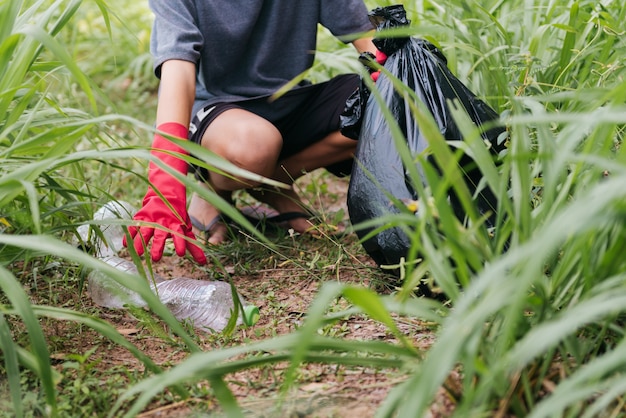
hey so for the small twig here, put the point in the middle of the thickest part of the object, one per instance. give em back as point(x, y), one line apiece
point(162, 408)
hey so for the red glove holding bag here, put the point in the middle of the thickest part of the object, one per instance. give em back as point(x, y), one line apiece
point(381, 58)
point(173, 217)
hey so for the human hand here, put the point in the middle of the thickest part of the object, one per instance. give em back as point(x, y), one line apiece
point(381, 58)
point(172, 216)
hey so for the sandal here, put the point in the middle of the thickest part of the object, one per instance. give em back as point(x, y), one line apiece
point(206, 231)
point(263, 216)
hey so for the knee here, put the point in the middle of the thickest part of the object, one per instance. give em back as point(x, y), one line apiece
point(252, 146)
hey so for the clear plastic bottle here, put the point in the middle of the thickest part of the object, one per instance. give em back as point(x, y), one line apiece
point(109, 242)
point(207, 304)
point(106, 292)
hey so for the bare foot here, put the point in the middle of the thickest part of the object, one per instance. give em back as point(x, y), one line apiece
point(207, 222)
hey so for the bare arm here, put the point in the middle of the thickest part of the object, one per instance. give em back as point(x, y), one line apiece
point(176, 96)
point(177, 92)
point(364, 44)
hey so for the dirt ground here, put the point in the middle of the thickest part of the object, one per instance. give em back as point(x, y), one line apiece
point(283, 290)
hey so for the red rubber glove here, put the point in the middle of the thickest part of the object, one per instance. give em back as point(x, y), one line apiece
point(381, 58)
point(155, 210)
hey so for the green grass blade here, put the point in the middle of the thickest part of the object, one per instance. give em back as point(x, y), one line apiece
point(46, 39)
point(371, 304)
point(314, 321)
point(226, 397)
point(589, 380)
point(11, 367)
point(14, 292)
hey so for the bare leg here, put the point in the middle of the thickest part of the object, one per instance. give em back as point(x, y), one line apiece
point(253, 143)
point(332, 149)
point(245, 140)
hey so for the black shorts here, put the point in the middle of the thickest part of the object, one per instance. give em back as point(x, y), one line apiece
point(303, 116)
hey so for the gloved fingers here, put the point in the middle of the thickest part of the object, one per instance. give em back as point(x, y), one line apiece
point(158, 244)
point(196, 252)
point(381, 57)
point(142, 238)
point(182, 243)
point(179, 243)
point(132, 230)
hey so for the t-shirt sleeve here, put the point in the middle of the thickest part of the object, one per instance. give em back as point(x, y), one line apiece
point(175, 33)
point(344, 17)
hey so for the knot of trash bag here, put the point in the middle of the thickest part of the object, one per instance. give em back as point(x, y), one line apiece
point(386, 18)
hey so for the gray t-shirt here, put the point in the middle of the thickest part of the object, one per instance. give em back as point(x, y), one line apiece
point(247, 48)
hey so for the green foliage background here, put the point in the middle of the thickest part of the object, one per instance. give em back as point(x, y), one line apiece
point(76, 108)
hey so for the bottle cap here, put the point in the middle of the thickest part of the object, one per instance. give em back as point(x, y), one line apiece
point(250, 315)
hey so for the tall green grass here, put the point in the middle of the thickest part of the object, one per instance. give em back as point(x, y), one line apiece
point(536, 330)
point(45, 146)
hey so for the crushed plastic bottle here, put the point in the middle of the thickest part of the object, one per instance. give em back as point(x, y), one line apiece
point(206, 304)
point(110, 242)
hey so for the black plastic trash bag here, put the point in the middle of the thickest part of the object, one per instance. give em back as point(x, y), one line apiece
point(378, 168)
point(351, 118)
